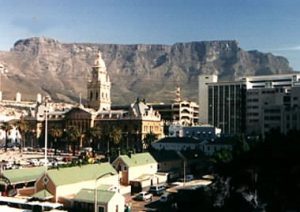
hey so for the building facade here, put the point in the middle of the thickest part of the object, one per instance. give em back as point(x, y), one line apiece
point(226, 106)
point(252, 105)
point(182, 112)
point(203, 96)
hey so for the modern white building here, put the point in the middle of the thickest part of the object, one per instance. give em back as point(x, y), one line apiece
point(203, 96)
point(253, 104)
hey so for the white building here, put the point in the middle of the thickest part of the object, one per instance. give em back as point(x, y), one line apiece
point(249, 104)
point(107, 201)
point(202, 132)
point(203, 96)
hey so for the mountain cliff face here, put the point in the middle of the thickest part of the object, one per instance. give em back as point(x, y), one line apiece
point(47, 66)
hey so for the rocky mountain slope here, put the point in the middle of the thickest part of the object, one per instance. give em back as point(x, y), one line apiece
point(42, 65)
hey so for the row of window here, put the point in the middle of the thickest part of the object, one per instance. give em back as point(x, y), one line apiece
point(103, 95)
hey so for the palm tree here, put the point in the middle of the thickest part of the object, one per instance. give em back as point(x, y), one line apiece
point(115, 135)
point(73, 134)
point(6, 127)
point(112, 135)
point(92, 134)
point(56, 133)
point(23, 128)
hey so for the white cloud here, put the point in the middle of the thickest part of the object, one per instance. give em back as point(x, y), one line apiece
point(292, 48)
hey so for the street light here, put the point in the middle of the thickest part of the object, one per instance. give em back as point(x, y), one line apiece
point(95, 193)
point(46, 129)
point(184, 165)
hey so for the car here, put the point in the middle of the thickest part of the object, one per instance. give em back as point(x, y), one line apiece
point(157, 189)
point(166, 197)
point(143, 196)
point(188, 178)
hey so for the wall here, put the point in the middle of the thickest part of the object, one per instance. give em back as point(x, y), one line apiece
point(117, 200)
point(136, 171)
point(76, 187)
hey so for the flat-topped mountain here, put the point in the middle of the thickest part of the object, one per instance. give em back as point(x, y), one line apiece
point(47, 66)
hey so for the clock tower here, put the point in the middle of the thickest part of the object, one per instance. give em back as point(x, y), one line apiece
point(98, 87)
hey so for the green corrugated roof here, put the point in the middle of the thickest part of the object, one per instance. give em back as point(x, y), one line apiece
point(23, 175)
point(64, 176)
point(43, 195)
point(87, 195)
point(104, 187)
point(138, 159)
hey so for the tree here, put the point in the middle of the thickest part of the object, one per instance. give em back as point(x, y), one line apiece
point(23, 128)
point(149, 139)
point(112, 135)
point(56, 133)
point(240, 145)
point(73, 134)
point(115, 135)
point(92, 135)
point(6, 127)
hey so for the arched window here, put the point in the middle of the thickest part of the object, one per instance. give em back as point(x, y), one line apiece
point(91, 95)
point(97, 95)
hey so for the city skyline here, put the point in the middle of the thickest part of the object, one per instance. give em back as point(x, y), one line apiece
point(267, 26)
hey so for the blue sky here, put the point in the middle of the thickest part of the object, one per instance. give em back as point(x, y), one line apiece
point(266, 25)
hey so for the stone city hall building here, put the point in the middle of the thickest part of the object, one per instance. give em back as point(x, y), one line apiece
point(135, 122)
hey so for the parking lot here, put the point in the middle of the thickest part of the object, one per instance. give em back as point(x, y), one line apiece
point(141, 205)
point(154, 205)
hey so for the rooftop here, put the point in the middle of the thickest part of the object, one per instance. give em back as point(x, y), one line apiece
point(138, 159)
point(23, 175)
point(76, 174)
point(184, 140)
point(87, 195)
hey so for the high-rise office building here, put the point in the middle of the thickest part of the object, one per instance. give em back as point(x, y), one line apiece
point(252, 105)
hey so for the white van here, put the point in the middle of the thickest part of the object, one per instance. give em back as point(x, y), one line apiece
point(157, 189)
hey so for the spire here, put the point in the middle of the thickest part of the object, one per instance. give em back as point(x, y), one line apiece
point(98, 88)
point(99, 62)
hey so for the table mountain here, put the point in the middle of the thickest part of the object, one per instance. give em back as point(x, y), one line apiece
point(43, 65)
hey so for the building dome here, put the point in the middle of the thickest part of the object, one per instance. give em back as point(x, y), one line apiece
point(99, 62)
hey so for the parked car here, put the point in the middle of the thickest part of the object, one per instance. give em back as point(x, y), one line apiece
point(188, 178)
point(157, 189)
point(144, 196)
point(166, 197)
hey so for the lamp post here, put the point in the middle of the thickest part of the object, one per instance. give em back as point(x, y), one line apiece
point(95, 192)
point(32, 137)
point(184, 171)
point(46, 130)
point(184, 165)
